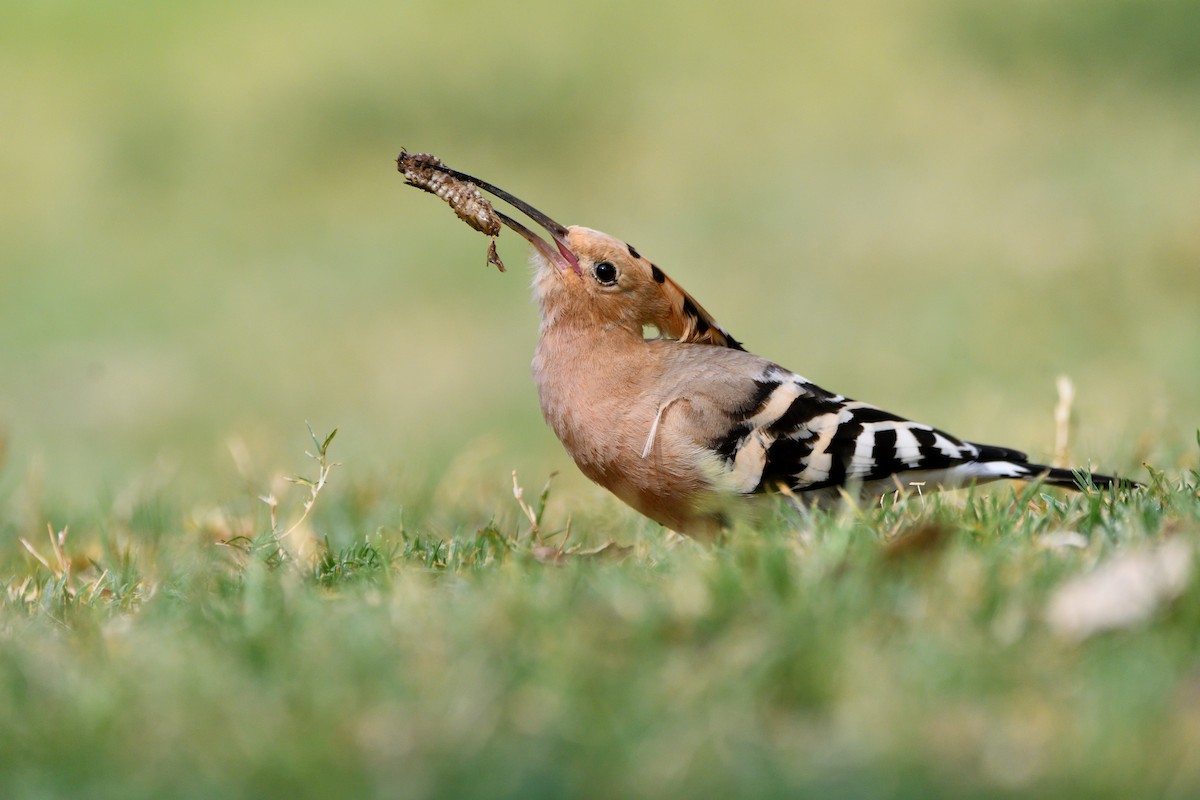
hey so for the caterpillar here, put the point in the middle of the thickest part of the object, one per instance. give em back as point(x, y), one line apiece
point(465, 199)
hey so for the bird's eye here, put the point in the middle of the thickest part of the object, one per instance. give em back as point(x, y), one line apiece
point(605, 272)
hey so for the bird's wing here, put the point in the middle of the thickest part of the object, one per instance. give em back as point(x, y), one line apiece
point(780, 428)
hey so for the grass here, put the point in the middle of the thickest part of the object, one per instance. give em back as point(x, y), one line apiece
point(935, 206)
point(295, 648)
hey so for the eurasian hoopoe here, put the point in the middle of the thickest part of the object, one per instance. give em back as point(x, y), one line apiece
point(683, 426)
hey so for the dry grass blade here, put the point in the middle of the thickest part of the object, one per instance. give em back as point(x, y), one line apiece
point(33, 552)
point(610, 551)
point(61, 567)
point(1062, 422)
point(519, 494)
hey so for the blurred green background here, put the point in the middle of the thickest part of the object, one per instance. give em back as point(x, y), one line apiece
point(935, 206)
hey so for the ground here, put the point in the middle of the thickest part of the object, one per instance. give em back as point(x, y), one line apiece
point(917, 647)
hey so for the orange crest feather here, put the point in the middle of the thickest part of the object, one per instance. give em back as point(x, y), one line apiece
point(687, 320)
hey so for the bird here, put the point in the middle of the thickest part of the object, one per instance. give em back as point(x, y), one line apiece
point(687, 427)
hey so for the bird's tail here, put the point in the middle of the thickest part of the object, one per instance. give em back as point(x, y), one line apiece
point(1004, 462)
point(1079, 480)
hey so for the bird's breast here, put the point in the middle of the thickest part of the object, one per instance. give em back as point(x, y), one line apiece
point(596, 402)
point(603, 404)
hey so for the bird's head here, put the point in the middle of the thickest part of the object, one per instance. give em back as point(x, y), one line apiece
point(591, 277)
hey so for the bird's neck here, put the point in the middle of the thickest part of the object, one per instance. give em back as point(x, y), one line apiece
point(596, 386)
point(583, 358)
point(566, 320)
point(586, 349)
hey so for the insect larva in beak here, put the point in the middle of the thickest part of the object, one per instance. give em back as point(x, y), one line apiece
point(465, 199)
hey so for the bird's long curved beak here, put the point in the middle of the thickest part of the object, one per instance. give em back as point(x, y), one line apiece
point(563, 258)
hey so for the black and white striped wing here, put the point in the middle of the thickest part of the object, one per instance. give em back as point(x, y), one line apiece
point(792, 432)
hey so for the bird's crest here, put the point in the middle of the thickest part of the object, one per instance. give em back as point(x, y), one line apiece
point(687, 320)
